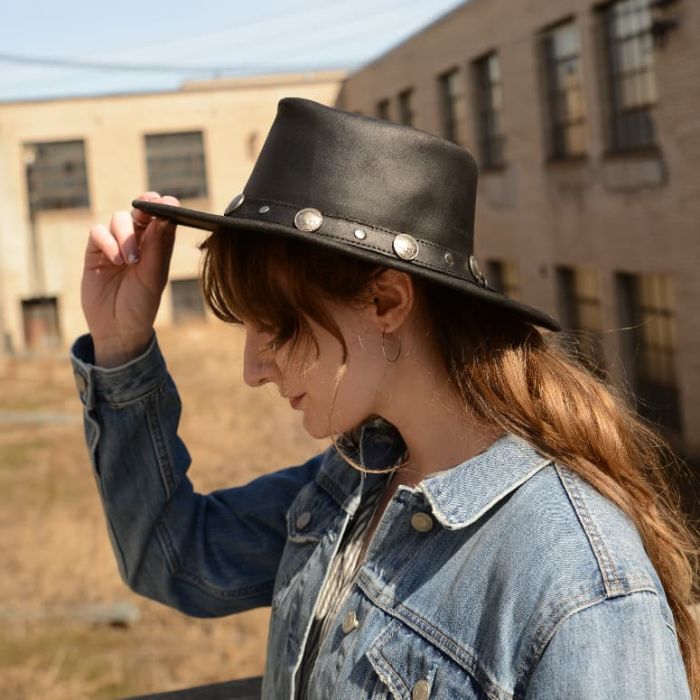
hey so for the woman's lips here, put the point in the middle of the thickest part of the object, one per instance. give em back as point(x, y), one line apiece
point(296, 400)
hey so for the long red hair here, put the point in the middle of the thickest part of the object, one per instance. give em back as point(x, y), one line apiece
point(507, 372)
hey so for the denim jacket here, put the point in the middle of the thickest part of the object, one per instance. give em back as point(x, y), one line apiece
point(507, 576)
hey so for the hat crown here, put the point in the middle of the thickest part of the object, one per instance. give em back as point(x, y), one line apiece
point(369, 171)
point(384, 193)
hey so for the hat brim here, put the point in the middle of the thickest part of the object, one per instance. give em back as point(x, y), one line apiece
point(211, 222)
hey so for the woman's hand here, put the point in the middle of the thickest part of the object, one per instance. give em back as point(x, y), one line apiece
point(125, 272)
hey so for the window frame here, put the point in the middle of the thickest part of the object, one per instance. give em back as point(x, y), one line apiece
point(405, 106)
point(158, 183)
point(582, 339)
point(382, 109)
point(619, 138)
point(490, 136)
point(640, 319)
point(52, 197)
point(556, 129)
point(448, 104)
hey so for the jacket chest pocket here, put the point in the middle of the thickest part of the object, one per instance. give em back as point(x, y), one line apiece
point(312, 516)
point(409, 667)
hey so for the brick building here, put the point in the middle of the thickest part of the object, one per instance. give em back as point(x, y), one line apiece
point(585, 121)
point(583, 117)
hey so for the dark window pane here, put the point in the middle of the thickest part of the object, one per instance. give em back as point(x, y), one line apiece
point(631, 75)
point(176, 164)
point(187, 299)
point(503, 276)
point(406, 107)
point(564, 106)
point(580, 313)
point(450, 98)
point(383, 109)
point(56, 175)
point(41, 326)
point(489, 100)
point(647, 314)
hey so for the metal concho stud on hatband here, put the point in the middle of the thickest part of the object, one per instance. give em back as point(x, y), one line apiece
point(308, 219)
point(476, 270)
point(235, 203)
point(405, 246)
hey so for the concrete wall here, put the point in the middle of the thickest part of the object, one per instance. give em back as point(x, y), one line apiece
point(229, 112)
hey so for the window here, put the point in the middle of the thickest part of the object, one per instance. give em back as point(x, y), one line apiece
point(580, 313)
point(41, 327)
point(451, 104)
point(559, 50)
point(176, 164)
point(56, 175)
point(503, 277)
point(649, 343)
point(406, 107)
point(188, 303)
point(631, 80)
point(383, 109)
point(489, 103)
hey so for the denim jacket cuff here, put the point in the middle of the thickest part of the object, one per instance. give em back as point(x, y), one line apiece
point(116, 385)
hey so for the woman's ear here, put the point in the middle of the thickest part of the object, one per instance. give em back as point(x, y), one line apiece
point(392, 296)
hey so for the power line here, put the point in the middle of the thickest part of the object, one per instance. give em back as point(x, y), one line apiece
point(338, 21)
point(52, 62)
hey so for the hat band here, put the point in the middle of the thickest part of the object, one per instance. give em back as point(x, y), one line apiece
point(392, 244)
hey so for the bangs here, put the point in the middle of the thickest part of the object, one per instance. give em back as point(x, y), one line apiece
point(275, 283)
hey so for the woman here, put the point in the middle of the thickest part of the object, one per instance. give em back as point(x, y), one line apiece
point(490, 520)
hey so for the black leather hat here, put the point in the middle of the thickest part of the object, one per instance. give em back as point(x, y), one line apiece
point(366, 187)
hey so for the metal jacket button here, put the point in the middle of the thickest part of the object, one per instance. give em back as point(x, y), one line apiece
point(303, 520)
point(421, 690)
point(422, 522)
point(350, 622)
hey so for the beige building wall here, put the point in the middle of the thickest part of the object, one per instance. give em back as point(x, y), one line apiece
point(636, 213)
point(234, 116)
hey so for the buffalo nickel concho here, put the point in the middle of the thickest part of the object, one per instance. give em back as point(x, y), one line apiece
point(476, 270)
point(405, 246)
point(308, 219)
point(235, 203)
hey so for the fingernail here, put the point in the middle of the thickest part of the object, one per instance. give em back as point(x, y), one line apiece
point(118, 259)
point(133, 258)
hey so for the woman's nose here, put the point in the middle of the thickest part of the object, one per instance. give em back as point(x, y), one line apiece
point(258, 361)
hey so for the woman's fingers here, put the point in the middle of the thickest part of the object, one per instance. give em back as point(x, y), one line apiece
point(140, 218)
point(122, 228)
point(101, 241)
point(121, 243)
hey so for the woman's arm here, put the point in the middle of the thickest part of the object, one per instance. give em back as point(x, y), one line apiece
point(206, 555)
point(618, 648)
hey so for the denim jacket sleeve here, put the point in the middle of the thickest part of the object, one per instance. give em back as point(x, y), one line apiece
point(620, 647)
point(205, 555)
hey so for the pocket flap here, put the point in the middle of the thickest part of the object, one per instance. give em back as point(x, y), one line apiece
point(403, 660)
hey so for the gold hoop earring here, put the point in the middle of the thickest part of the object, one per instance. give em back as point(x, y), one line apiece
point(384, 349)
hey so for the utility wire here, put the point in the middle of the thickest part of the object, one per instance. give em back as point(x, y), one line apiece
point(242, 31)
point(135, 67)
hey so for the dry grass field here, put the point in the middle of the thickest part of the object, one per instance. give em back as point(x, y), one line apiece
point(54, 549)
point(54, 546)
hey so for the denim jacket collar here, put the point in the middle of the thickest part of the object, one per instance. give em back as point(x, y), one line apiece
point(461, 495)
point(457, 496)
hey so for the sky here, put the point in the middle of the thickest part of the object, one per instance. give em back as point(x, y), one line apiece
point(169, 41)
